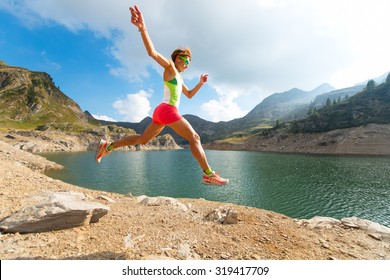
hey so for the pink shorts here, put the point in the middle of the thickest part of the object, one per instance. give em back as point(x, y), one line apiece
point(166, 114)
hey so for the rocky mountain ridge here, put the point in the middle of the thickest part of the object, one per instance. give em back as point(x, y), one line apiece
point(30, 100)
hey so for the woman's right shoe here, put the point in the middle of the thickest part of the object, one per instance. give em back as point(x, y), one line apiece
point(214, 179)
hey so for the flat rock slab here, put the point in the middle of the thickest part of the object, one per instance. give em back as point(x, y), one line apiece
point(54, 211)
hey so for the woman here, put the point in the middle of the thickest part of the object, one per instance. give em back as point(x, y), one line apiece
point(167, 112)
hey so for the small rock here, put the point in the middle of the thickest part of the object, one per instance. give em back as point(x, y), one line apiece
point(129, 241)
point(223, 215)
point(162, 200)
point(320, 222)
point(375, 236)
point(324, 243)
point(106, 198)
point(184, 250)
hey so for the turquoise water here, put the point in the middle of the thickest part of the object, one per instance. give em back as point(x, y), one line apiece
point(299, 186)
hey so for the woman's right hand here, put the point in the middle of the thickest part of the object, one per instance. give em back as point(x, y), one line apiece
point(137, 18)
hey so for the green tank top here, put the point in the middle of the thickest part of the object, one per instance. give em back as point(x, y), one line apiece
point(172, 90)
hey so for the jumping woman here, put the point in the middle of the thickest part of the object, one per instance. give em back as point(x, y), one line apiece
point(167, 114)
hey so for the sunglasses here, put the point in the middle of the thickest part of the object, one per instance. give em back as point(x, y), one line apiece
point(186, 61)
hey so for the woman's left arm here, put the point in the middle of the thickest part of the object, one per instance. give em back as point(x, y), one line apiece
point(190, 93)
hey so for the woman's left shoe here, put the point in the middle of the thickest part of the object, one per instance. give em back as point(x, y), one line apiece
point(101, 150)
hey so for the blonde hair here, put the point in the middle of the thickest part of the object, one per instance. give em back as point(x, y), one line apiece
point(181, 51)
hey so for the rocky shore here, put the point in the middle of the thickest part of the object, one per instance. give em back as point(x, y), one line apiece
point(372, 139)
point(34, 141)
point(144, 228)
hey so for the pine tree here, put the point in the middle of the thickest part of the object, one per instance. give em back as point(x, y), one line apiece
point(328, 103)
point(371, 85)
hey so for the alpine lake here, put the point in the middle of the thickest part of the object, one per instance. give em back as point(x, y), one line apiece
point(296, 185)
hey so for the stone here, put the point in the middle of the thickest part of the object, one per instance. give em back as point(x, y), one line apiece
point(130, 241)
point(163, 200)
point(324, 243)
point(184, 251)
point(54, 211)
point(371, 228)
point(106, 198)
point(223, 215)
point(320, 222)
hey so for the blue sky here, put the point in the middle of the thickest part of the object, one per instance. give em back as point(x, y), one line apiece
point(250, 49)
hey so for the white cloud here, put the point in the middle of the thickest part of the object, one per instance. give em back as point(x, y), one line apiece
point(135, 107)
point(222, 110)
point(103, 118)
point(225, 108)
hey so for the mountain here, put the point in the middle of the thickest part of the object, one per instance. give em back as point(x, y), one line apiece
point(205, 129)
point(279, 106)
point(340, 94)
point(284, 107)
point(377, 80)
point(345, 93)
point(371, 105)
point(276, 106)
point(31, 100)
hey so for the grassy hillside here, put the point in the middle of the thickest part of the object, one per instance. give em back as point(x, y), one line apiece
point(31, 100)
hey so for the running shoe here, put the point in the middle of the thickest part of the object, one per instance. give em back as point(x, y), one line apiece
point(101, 150)
point(214, 179)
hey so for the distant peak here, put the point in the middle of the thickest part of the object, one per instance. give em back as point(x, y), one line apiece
point(325, 87)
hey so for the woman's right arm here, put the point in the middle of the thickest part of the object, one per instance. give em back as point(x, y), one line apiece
point(138, 20)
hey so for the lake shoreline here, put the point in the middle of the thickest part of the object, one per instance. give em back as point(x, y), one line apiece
point(367, 140)
point(370, 140)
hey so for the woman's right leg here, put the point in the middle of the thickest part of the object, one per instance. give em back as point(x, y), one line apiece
point(150, 132)
point(104, 147)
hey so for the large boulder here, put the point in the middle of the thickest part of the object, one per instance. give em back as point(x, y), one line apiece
point(54, 211)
